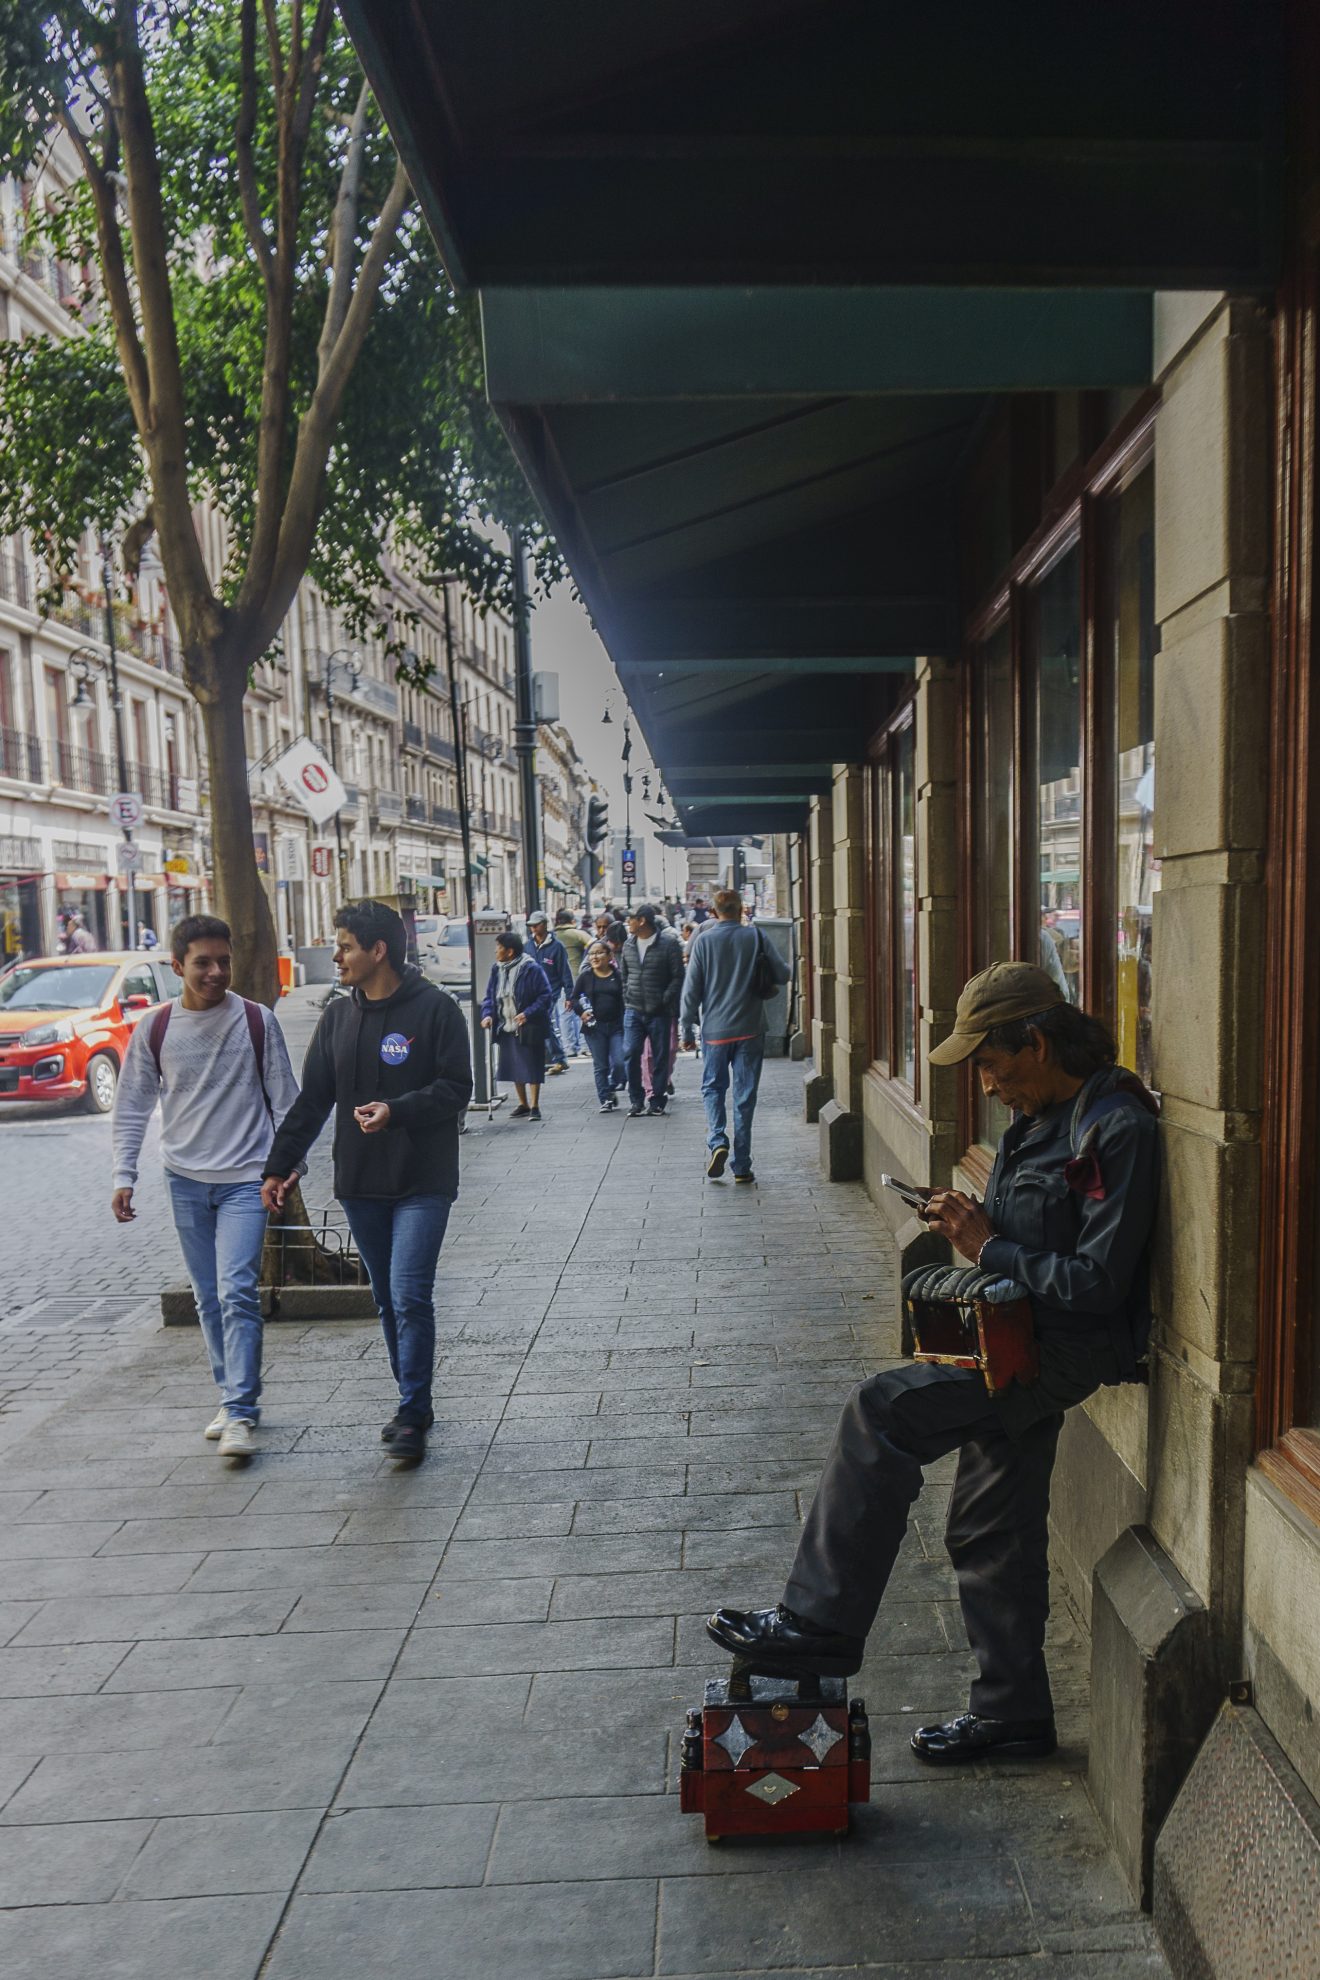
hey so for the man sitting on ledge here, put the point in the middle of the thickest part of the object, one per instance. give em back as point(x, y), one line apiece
point(1067, 1215)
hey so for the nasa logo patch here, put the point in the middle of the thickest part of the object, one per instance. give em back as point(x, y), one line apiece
point(394, 1048)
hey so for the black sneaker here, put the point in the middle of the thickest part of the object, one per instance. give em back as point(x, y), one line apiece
point(519, 1113)
point(533, 1113)
point(608, 1106)
point(636, 1113)
point(749, 1177)
point(717, 1159)
point(387, 1435)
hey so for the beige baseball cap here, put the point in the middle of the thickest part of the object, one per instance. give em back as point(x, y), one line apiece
point(996, 995)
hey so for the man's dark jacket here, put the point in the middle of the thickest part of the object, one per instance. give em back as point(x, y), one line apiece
point(1073, 1225)
point(553, 958)
point(652, 985)
point(410, 1050)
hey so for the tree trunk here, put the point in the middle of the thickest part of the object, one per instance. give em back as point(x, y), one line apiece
point(240, 895)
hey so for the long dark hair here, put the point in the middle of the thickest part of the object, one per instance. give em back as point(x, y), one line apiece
point(1081, 1044)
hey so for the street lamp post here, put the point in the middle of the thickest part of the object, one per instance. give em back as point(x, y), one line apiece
point(627, 807)
point(354, 667)
point(83, 665)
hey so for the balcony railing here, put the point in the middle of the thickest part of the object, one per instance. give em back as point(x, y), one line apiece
point(415, 807)
point(443, 814)
point(386, 807)
point(156, 645)
point(84, 769)
point(440, 746)
point(14, 578)
point(352, 798)
point(157, 787)
point(412, 734)
point(20, 756)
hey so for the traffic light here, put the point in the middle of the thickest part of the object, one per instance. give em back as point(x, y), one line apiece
point(739, 868)
point(598, 821)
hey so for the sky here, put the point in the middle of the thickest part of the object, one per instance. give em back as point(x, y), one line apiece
point(564, 643)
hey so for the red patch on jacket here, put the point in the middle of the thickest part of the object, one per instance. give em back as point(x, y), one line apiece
point(1083, 1174)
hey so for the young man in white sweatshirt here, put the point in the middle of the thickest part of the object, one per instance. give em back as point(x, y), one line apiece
point(220, 1069)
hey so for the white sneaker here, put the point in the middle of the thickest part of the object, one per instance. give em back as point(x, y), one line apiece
point(216, 1427)
point(237, 1439)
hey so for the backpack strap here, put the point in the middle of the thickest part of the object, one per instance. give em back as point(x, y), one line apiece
point(256, 1024)
point(156, 1035)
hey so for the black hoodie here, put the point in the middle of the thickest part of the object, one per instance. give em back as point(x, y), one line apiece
point(411, 1050)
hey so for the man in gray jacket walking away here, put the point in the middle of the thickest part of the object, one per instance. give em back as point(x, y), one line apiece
point(720, 987)
point(652, 969)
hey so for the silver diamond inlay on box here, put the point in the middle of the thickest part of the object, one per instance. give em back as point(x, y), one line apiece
point(820, 1737)
point(736, 1740)
point(772, 1789)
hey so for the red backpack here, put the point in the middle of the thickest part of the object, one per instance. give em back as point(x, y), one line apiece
point(256, 1025)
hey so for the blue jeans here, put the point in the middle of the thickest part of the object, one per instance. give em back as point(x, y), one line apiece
point(570, 1031)
point(400, 1240)
point(606, 1049)
point(637, 1030)
point(740, 1061)
point(222, 1227)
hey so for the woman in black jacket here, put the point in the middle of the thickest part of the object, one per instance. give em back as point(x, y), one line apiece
point(598, 1000)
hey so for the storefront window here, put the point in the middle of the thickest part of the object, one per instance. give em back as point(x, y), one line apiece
point(992, 862)
point(1057, 651)
point(1131, 632)
point(905, 902)
point(893, 799)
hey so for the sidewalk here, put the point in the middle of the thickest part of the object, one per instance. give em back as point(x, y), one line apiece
point(317, 1719)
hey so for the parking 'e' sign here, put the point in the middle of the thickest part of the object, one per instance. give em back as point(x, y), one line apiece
point(126, 809)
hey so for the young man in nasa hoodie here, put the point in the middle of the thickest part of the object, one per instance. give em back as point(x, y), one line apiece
point(394, 1059)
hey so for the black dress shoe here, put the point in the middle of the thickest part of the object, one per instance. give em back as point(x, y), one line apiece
point(775, 1641)
point(397, 1423)
point(971, 1738)
point(408, 1444)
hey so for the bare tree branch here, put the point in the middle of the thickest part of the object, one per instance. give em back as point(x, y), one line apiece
point(273, 46)
point(162, 423)
point(294, 102)
point(343, 231)
point(114, 270)
point(249, 192)
point(316, 429)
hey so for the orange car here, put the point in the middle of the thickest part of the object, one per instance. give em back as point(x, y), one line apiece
point(65, 1023)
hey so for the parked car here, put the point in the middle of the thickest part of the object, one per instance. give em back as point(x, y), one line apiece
point(448, 960)
point(430, 929)
point(65, 1023)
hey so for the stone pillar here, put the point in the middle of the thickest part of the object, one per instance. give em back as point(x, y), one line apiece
point(818, 1086)
point(841, 1118)
point(1190, 1440)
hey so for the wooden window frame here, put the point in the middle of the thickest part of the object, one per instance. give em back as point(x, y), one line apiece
point(884, 999)
point(1288, 1331)
point(1075, 515)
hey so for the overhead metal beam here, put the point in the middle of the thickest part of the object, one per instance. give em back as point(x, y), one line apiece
point(560, 346)
point(824, 633)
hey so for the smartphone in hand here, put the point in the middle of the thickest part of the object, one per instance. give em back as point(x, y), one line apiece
point(912, 1194)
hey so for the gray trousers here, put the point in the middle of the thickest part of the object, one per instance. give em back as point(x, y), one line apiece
point(997, 1532)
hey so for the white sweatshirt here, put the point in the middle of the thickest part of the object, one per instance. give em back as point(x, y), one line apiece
point(214, 1124)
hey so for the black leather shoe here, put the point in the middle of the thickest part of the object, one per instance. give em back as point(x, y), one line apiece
point(971, 1738)
point(774, 1641)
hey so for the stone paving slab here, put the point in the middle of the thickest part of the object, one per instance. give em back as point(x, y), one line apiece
point(316, 1716)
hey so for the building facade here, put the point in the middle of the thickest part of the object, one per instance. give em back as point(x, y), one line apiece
point(392, 741)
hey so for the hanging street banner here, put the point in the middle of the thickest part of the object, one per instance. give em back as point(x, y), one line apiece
point(304, 771)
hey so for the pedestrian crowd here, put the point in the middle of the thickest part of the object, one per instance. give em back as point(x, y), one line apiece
point(392, 1059)
point(1061, 1238)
